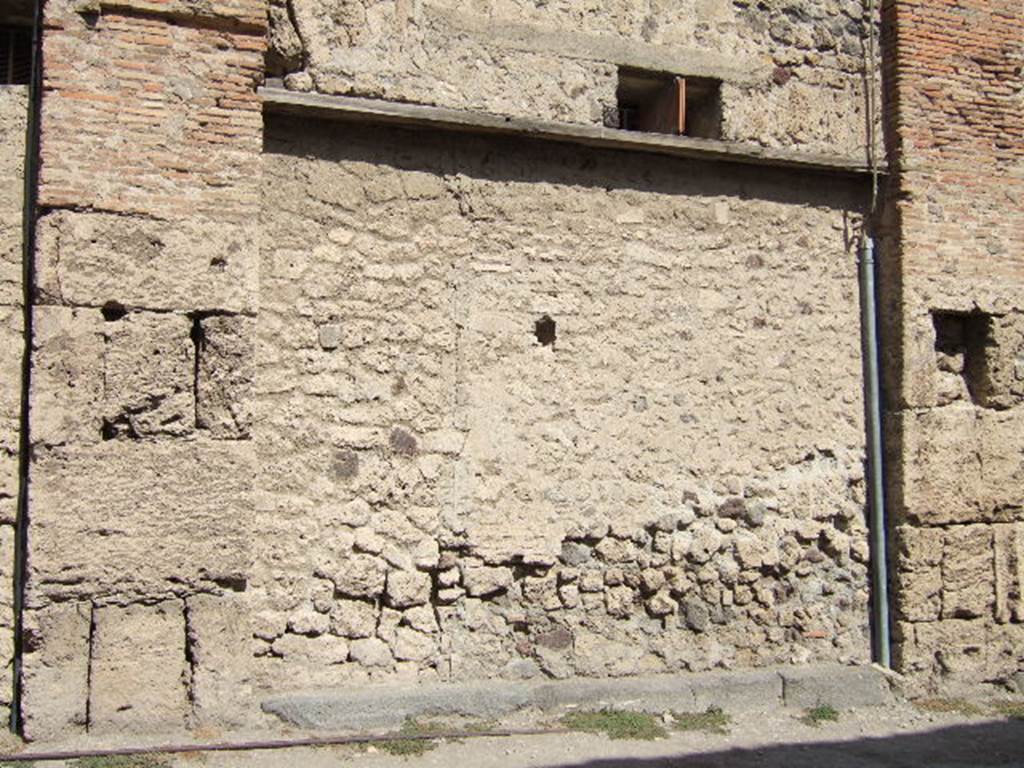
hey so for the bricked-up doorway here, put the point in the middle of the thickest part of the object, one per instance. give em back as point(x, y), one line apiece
point(560, 410)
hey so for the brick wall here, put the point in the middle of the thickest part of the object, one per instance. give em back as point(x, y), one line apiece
point(147, 272)
point(953, 273)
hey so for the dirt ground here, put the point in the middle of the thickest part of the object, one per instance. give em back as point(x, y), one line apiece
point(901, 734)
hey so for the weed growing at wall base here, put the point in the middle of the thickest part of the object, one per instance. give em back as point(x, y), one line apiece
point(617, 724)
point(822, 713)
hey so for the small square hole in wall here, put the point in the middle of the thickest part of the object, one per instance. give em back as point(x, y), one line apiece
point(656, 102)
point(15, 55)
point(545, 331)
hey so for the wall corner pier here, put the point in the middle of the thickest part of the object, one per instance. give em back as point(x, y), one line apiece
point(146, 283)
point(952, 245)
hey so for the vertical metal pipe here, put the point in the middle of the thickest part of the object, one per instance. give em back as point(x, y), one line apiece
point(31, 174)
point(876, 490)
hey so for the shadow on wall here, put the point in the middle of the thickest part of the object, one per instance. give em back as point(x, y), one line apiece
point(531, 161)
point(976, 746)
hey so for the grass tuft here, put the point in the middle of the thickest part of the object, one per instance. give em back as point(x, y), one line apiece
point(422, 728)
point(617, 724)
point(407, 747)
point(822, 713)
point(949, 706)
point(122, 761)
point(712, 720)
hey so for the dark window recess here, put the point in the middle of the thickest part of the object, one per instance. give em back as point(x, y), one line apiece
point(658, 103)
point(15, 55)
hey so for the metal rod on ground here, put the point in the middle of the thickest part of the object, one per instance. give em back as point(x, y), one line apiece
point(876, 491)
point(247, 746)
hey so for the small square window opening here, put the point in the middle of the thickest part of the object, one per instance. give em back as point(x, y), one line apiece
point(15, 55)
point(654, 102)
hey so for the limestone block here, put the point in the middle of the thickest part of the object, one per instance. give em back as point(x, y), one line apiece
point(67, 375)
point(1009, 572)
point(248, 12)
point(941, 478)
point(411, 645)
point(1005, 651)
point(354, 618)
point(955, 648)
point(421, 618)
point(13, 119)
point(918, 572)
point(481, 581)
point(406, 589)
point(139, 674)
point(55, 677)
point(149, 376)
point(160, 518)
point(600, 656)
point(919, 547)
point(967, 572)
point(919, 594)
point(309, 622)
point(360, 576)
point(219, 640)
point(225, 375)
point(314, 652)
point(12, 343)
point(9, 467)
point(184, 265)
point(999, 373)
point(920, 382)
point(1001, 451)
point(7, 538)
point(371, 652)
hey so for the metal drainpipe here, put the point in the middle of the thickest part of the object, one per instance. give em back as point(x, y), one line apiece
point(876, 491)
point(31, 173)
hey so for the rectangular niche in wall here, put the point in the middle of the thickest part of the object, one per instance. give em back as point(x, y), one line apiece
point(962, 340)
point(656, 102)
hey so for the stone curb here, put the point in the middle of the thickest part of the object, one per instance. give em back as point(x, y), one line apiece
point(388, 706)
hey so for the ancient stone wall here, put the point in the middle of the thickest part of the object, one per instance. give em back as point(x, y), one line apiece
point(532, 410)
point(954, 277)
point(791, 71)
point(13, 117)
point(147, 276)
point(424, 407)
